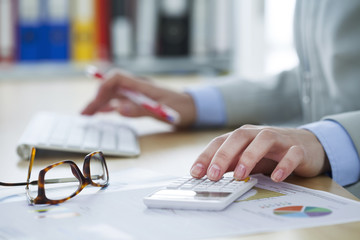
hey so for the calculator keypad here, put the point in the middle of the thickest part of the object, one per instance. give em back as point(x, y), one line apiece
point(226, 184)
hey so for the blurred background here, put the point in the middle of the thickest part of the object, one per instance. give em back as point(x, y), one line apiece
point(44, 38)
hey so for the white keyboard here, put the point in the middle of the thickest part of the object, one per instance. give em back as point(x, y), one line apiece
point(76, 133)
point(199, 194)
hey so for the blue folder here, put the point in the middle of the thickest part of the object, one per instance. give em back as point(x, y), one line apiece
point(28, 33)
point(45, 37)
point(58, 30)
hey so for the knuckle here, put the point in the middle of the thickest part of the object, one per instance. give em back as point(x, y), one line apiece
point(268, 132)
point(219, 139)
point(247, 126)
point(241, 133)
point(297, 151)
point(289, 164)
point(114, 73)
point(203, 158)
point(222, 157)
point(295, 157)
point(248, 158)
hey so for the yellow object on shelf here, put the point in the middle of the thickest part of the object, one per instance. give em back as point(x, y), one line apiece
point(83, 31)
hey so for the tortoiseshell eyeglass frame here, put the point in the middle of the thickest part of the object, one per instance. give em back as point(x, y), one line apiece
point(83, 179)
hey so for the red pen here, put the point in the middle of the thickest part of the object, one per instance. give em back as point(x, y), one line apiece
point(158, 109)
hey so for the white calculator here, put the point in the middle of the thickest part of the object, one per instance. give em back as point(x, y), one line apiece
point(199, 194)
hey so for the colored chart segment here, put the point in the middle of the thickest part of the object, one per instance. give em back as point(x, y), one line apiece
point(302, 211)
point(259, 193)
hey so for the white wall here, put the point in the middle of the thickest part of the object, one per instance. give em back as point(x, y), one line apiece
point(263, 37)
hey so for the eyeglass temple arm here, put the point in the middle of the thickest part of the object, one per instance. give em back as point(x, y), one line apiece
point(12, 184)
point(35, 182)
point(48, 181)
point(56, 180)
point(64, 180)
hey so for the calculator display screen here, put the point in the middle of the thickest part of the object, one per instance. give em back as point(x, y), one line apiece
point(188, 195)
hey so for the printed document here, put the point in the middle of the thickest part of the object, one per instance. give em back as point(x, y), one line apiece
point(118, 212)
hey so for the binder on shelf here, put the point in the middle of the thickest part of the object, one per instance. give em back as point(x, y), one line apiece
point(221, 27)
point(173, 35)
point(83, 31)
point(102, 29)
point(199, 30)
point(146, 21)
point(122, 29)
point(7, 31)
point(57, 25)
point(43, 32)
point(29, 30)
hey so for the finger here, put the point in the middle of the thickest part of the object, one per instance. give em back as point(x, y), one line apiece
point(265, 141)
point(230, 150)
point(288, 164)
point(250, 126)
point(198, 169)
point(107, 108)
point(130, 109)
point(126, 108)
point(108, 90)
point(91, 108)
point(125, 80)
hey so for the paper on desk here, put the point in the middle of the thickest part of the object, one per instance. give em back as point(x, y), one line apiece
point(132, 178)
point(121, 214)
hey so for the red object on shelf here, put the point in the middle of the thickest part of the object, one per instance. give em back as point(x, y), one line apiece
point(102, 8)
point(7, 31)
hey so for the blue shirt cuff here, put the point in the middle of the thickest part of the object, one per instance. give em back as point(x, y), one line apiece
point(210, 108)
point(340, 150)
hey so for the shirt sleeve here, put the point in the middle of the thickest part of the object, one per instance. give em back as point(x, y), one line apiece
point(210, 108)
point(340, 150)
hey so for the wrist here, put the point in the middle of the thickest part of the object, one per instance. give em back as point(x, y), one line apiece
point(187, 110)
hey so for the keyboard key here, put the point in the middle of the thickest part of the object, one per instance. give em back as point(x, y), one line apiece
point(108, 140)
point(125, 139)
point(92, 139)
point(76, 137)
point(59, 133)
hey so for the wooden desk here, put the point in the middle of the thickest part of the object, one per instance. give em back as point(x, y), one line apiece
point(162, 149)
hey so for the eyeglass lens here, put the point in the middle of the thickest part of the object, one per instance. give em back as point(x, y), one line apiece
point(98, 170)
point(60, 182)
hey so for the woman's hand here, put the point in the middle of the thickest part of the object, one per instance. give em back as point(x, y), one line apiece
point(254, 149)
point(109, 98)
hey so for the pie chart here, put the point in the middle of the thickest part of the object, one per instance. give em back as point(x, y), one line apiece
point(302, 211)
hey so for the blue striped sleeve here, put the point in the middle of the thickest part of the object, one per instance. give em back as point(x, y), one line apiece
point(210, 108)
point(340, 150)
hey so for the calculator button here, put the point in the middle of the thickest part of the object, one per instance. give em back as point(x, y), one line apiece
point(225, 184)
point(208, 182)
point(227, 190)
point(200, 188)
point(187, 186)
point(173, 186)
point(196, 181)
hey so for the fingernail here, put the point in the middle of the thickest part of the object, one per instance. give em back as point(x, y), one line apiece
point(278, 175)
point(214, 172)
point(240, 172)
point(197, 169)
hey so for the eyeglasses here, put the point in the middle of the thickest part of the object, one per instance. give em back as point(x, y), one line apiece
point(67, 184)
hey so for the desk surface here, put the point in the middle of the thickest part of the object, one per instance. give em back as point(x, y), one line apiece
point(163, 150)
